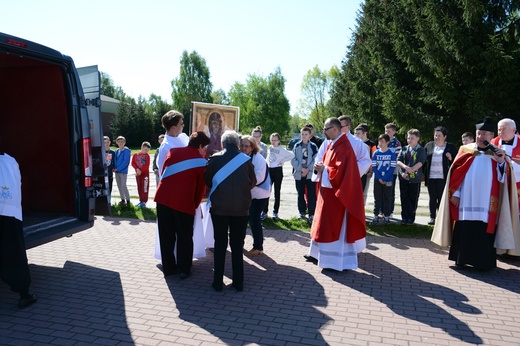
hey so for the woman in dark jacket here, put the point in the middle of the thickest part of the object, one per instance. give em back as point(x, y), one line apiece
point(439, 156)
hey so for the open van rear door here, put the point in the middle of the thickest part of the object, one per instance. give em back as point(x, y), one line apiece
point(91, 83)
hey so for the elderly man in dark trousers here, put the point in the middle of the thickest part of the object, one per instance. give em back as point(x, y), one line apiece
point(230, 176)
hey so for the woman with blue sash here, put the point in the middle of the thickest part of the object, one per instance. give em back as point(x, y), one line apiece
point(183, 175)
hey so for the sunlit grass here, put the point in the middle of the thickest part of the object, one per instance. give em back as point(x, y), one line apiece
point(293, 224)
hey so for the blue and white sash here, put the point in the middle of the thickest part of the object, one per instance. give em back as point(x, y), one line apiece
point(266, 184)
point(225, 172)
point(183, 166)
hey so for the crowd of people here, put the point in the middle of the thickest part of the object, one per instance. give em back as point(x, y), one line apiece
point(231, 187)
point(207, 201)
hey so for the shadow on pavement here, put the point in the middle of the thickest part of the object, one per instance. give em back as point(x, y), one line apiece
point(507, 279)
point(285, 236)
point(405, 244)
point(279, 304)
point(403, 294)
point(76, 303)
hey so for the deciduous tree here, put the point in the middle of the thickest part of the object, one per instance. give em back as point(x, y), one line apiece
point(262, 101)
point(192, 84)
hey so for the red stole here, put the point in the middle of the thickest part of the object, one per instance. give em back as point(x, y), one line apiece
point(346, 193)
point(515, 154)
point(459, 168)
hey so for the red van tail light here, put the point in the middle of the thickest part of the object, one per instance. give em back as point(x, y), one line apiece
point(16, 43)
point(87, 162)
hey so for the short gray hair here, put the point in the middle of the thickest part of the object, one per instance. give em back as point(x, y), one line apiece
point(508, 122)
point(230, 137)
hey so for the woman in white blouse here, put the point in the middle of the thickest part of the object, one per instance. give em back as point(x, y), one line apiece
point(439, 156)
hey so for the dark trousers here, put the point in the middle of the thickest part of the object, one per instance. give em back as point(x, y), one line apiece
point(237, 233)
point(175, 227)
point(14, 269)
point(276, 175)
point(392, 198)
point(110, 183)
point(311, 195)
point(382, 198)
point(409, 199)
point(435, 189)
point(363, 181)
point(257, 205)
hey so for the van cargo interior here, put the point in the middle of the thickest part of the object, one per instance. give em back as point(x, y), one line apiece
point(35, 129)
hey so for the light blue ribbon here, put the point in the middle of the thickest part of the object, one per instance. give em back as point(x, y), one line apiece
point(225, 172)
point(183, 166)
point(266, 185)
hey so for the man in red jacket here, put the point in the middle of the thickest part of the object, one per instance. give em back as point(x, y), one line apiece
point(178, 195)
point(338, 230)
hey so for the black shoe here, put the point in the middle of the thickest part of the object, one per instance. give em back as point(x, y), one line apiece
point(309, 258)
point(217, 287)
point(184, 275)
point(169, 272)
point(27, 301)
point(238, 287)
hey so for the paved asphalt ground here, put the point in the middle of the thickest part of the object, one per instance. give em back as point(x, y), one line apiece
point(101, 286)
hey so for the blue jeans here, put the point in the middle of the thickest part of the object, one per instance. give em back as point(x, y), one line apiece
point(257, 206)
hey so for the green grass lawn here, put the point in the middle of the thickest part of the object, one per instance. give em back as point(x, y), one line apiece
point(293, 224)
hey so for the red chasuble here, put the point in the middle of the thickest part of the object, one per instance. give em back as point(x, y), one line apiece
point(346, 194)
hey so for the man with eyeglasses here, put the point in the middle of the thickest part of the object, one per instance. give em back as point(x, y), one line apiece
point(339, 230)
point(360, 149)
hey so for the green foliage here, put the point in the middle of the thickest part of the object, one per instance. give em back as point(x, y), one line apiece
point(296, 123)
point(292, 224)
point(423, 63)
point(134, 123)
point(219, 97)
point(315, 89)
point(155, 108)
point(132, 212)
point(107, 85)
point(137, 121)
point(108, 88)
point(262, 101)
point(395, 230)
point(193, 84)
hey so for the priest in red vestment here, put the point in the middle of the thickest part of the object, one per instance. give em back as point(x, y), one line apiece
point(338, 231)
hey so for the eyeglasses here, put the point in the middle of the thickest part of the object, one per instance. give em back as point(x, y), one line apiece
point(327, 128)
point(342, 126)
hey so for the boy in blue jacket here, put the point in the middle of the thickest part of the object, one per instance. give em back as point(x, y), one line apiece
point(383, 165)
point(121, 162)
